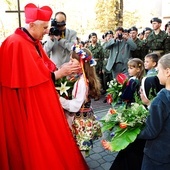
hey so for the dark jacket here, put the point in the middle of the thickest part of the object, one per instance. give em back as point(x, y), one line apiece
point(157, 130)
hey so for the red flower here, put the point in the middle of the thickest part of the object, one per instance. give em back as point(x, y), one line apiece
point(112, 111)
point(89, 124)
point(109, 98)
point(123, 125)
point(106, 145)
point(121, 78)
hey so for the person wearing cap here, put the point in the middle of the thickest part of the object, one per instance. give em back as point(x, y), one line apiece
point(86, 43)
point(157, 40)
point(167, 29)
point(120, 47)
point(97, 51)
point(137, 53)
point(58, 47)
point(34, 133)
point(141, 35)
point(146, 32)
point(107, 75)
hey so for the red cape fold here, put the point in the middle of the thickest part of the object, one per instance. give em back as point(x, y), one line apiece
point(21, 65)
point(34, 134)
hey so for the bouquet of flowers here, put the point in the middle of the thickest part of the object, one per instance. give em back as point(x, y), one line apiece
point(122, 123)
point(115, 88)
point(64, 86)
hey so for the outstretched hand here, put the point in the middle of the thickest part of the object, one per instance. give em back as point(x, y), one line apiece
point(67, 69)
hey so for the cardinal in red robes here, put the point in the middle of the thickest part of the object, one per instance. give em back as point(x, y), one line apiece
point(34, 134)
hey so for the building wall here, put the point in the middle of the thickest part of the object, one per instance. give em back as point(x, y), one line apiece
point(165, 11)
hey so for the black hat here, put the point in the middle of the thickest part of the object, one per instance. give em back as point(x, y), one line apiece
point(156, 20)
point(126, 30)
point(82, 42)
point(103, 36)
point(166, 25)
point(141, 33)
point(109, 32)
point(147, 29)
point(133, 29)
point(92, 34)
point(119, 29)
point(151, 86)
point(86, 41)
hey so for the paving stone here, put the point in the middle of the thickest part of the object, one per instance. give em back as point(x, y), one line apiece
point(93, 164)
point(98, 149)
point(106, 166)
point(99, 158)
point(101, 161)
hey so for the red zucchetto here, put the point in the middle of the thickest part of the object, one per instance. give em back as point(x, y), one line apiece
point(33, 13)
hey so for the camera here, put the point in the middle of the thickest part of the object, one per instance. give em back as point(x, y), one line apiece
point(120, 36)
point(54, 30)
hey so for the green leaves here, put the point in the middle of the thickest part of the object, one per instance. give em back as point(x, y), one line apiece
point(123, 125)
point(124, 138)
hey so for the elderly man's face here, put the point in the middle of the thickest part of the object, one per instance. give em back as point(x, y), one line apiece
point(38, 30)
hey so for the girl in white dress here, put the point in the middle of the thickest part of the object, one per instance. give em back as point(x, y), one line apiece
point(79, 113)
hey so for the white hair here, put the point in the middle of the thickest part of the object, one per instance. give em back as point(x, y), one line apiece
point(37, 22)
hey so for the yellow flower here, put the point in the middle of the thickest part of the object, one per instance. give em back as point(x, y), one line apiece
point(63, 88)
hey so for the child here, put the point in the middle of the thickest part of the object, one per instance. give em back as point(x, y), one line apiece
point(84, 126)
point(130, 158)
point(150, 63)
point(150, 86)
point(156, 131)
point(136, 72)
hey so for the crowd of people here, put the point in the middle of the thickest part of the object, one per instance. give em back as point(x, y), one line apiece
point(39, 129)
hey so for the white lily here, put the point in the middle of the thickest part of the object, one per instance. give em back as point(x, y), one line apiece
point(63, 88)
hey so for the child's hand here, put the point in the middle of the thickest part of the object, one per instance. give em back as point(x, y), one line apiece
point(144, 99)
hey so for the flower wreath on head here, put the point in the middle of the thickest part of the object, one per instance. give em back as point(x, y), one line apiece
point(65, 85)
point(83, 56)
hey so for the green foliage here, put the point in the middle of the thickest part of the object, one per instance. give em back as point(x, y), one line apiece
point(123, 125)
point(127, 136)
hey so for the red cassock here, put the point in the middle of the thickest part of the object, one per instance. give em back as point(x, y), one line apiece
point(34, 134)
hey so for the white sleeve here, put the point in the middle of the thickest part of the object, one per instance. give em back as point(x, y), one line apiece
point(75, 104)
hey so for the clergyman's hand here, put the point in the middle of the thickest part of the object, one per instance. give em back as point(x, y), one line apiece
point(67, 69)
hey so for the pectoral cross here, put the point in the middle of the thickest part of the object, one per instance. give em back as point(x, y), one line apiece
point(17, 11)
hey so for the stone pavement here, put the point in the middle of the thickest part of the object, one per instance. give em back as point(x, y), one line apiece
point(100, 159)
